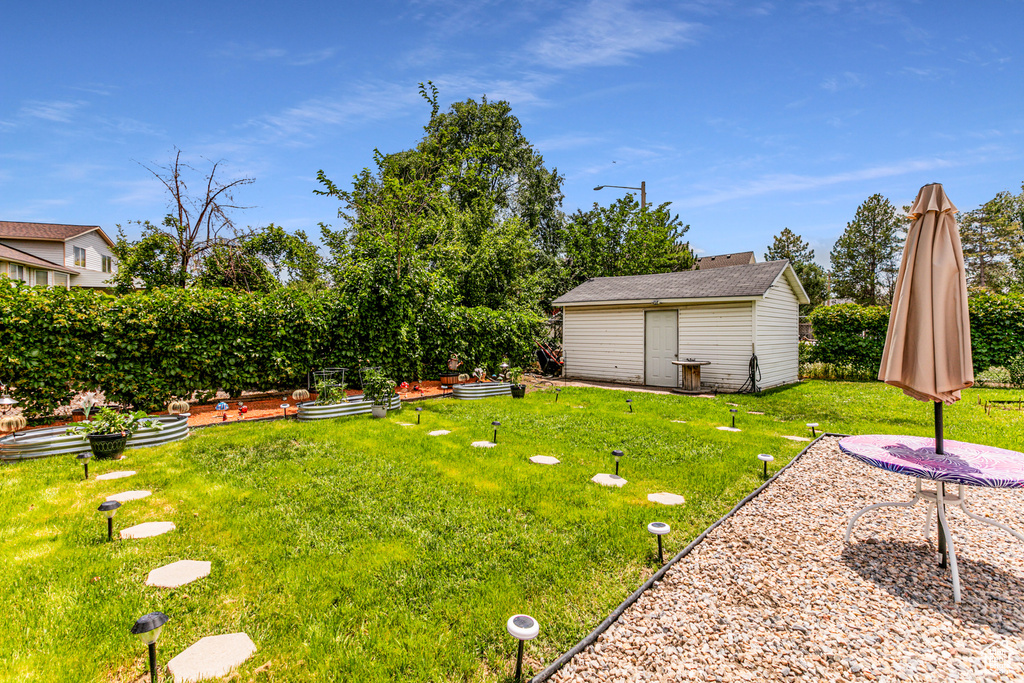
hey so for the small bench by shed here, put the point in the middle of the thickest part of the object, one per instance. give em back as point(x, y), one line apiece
point(630, 329)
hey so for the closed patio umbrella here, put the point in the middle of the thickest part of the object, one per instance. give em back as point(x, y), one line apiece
point(927, 350)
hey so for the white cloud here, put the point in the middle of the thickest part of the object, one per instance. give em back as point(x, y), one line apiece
point(254, 53)
point(54, 110)
point(788, 182)
point(604, 32)
point(845, 80)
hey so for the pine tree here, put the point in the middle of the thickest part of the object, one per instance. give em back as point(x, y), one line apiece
point(989, 235)
point(865, 258)
point(790, 246)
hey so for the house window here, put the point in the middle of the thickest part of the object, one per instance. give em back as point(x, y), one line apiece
point(41, 278)
point(80, 257)
point(17, 272)
point(60, 280)
point(108, 264)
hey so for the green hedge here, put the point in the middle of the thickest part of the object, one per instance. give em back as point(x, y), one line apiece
point(144, 349)
point(852, 335)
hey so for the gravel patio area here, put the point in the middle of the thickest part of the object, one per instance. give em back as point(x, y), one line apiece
point(773, 595)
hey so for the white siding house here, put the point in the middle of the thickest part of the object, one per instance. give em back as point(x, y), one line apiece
point(56, 255)
point(614, 328)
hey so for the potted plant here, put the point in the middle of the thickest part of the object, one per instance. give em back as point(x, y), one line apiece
point(109, 432)
point(377, 389)
point(516, 376)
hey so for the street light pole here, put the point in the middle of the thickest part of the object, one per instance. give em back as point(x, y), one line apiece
point(642, 188)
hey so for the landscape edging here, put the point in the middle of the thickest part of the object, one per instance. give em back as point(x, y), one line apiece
point(589, 639)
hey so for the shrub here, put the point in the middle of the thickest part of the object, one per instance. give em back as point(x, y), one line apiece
point(1016, 369)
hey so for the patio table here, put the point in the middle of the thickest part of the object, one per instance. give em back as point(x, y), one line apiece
point(690, 381)
point(964, 464)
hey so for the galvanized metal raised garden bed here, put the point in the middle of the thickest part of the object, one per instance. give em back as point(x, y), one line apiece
point(356, 406)
point(42, 443)
point(469, 392)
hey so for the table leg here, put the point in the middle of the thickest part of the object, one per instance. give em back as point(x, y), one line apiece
point(869, 508)
point(985, 520)
point(928, 521)
point(946, 539)
point(940, 491)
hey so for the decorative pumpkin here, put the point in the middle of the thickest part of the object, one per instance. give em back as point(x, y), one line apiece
point(300, 395)
point(12, 423)
point(177, 407)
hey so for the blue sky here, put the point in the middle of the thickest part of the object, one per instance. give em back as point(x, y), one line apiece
point(747, 116)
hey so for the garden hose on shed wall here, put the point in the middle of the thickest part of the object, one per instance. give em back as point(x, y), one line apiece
point(753, 377)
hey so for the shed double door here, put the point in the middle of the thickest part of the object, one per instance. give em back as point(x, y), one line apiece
point(661, 347)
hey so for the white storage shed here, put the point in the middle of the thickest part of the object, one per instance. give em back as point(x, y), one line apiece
point(629, 329)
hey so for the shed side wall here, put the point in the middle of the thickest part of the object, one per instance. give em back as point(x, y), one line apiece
point(778, 323)
point(604, 343)
point(722, 334)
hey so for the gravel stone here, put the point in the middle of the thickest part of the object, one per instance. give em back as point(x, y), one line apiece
point(774, 595)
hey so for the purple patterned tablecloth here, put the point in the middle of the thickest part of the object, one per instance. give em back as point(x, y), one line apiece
point(962, 463)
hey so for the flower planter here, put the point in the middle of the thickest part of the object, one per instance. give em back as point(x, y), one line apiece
point(356, 406)
point(378, 411)
point(41, 443)
point(518, 391)
point(107, 446)
point(470, 392)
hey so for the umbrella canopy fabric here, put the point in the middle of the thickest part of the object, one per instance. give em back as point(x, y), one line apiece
point(928, 345)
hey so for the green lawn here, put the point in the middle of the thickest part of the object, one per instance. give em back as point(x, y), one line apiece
point(362, 550)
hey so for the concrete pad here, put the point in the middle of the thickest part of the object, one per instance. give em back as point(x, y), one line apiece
point(115, 475)
point(754, 412)
point(178, 573)
point(796, 438)
point(730, 429)
point(666, 498)
point(211, 657)
point(439, 432)
point(484, 444)
point(147, 530)
point(405, 424)
point(608, 480)
point(681, 422)
point(129, 495)
point(734, 405)
point(544, 460)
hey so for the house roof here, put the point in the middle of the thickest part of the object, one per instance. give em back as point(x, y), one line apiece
point(722, 260)
point(24, 258)
point(738, 282)
point(50, 232)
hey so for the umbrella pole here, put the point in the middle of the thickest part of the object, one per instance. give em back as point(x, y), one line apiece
point(940, 450)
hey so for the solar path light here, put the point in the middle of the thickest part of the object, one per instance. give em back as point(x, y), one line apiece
point(733, 411)
point(109, 508)
point(659, 529)
point(496, 425)
point(765, 458)
point(522, 627)
point(813, 426)
point(84, 458)
point(418, 411)
point(284, 407)
point(617, 454)
point(148, 629)
point(629, 402)
point(557, 392)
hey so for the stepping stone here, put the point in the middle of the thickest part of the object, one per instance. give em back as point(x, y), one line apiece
point(796, 438)
point(754, 412)
point(730, 429)
point(147, 530)
point(178, 573)
point(544, 460)
point(681, 422)
point(129, 495)
point(734, 405)
point(211, 657)
point(439, 432)
point(484, 444)
point(666, 498)
point(405, 424)
point(609, 480)
point(115, 475)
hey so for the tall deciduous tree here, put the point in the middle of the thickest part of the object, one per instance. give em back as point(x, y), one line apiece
point(790, 246)
point(865, 258)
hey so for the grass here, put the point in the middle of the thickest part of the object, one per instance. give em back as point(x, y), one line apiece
point(356, 549)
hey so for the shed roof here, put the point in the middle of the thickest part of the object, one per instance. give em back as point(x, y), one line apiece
point(8, 253)
point(722, 260)
point(51, 232)
point(741, 281)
